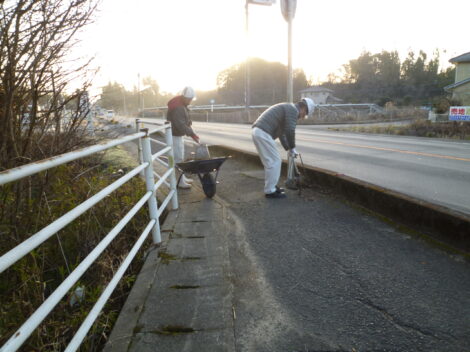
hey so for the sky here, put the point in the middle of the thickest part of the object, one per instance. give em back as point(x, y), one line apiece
point(188, 42)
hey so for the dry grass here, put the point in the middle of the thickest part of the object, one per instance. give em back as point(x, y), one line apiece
point(31, 204)
point(420, 128)
point(363, 116)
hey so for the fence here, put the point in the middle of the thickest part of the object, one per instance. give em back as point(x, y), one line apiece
point(360, 113)
point(227, 117)
point(324, 113)
point(145, 167)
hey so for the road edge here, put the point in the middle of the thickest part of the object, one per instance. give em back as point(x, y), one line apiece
point(443, 226)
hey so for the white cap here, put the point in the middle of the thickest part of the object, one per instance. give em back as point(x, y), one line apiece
point(188, 92)
point(310, 105)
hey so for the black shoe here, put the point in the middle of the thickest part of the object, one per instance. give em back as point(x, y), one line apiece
point(280, 189)
point(275, 195)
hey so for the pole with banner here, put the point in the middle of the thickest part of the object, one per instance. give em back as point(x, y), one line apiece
point(288, 11)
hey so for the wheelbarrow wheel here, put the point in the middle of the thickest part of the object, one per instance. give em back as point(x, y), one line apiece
point(208, 185)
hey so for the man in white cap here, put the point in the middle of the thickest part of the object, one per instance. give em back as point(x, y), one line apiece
point(278, 121)
point(178, 115)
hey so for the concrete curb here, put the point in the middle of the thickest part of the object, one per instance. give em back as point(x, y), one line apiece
point(438, 223)
point(123, 330)
point(365, 122)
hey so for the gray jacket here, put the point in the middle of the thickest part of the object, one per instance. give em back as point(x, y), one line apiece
point(180, 121)
point(279, 121)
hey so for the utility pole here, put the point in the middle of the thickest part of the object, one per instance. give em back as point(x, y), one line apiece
point(138, 91)
point(247, 65)
point(290, 88)
point(124, 101)
point(288, 11)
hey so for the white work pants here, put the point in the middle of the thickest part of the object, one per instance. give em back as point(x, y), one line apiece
point(178, 152)
point(178, 148)
point(266, 147)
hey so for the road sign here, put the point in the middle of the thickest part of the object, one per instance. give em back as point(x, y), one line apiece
point(262, 2)
point(288, 9)
point(459, 113)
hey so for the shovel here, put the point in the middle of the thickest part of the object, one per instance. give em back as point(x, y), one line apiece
point(294, 178)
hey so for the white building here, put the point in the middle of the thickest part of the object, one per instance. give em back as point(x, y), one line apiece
point(461, 88)
point(319, 95)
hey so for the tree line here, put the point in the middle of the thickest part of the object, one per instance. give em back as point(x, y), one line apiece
point(268, 83)
point(268, 86)
point(382, 77)
point(114, 96)
point(371, 78)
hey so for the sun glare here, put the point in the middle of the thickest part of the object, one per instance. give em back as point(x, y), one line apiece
point(187, 42)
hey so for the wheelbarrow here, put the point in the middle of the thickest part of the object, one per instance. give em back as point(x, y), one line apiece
point(204, 169)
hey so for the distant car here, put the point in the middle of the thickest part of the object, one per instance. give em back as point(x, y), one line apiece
point(110, 113)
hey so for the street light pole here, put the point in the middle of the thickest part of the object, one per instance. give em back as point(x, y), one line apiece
point(290, 88)
point(247, 66)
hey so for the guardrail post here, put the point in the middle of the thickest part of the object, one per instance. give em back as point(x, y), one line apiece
point(171, 164)
point(139, 144)
point(150, 183)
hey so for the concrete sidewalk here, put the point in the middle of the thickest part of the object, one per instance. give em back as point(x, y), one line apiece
point(182, 299)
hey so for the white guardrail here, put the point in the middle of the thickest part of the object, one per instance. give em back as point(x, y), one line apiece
point(146, 169)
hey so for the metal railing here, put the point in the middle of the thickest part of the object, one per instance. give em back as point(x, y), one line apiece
point(141, 123)
point(153, 226)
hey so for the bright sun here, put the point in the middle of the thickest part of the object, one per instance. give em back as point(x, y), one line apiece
point(188, 42)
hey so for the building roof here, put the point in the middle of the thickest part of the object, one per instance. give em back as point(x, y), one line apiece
point(334, 99)
point(461, 58)
point(315, 90)
point(457, 84)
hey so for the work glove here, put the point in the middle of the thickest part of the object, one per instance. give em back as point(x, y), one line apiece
point(293, 153)
point(195, 137)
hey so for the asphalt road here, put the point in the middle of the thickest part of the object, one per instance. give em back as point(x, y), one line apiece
point(430, 169)
point(311, 273)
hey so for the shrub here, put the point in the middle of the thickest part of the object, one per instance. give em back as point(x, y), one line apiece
point(32, 203)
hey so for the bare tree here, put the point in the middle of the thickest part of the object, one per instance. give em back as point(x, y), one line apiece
point(36, 70)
